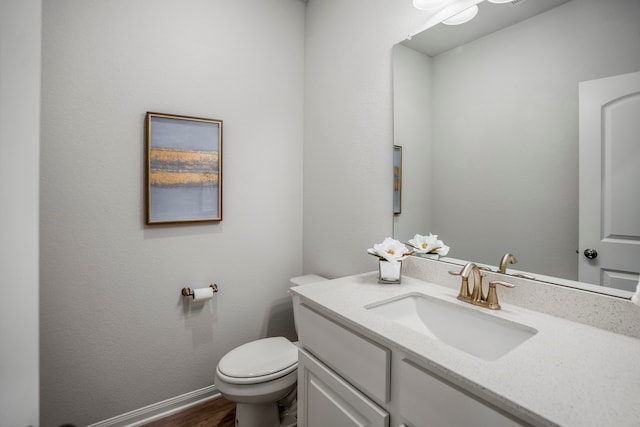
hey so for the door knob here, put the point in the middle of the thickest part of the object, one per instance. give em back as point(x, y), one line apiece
point(590, 253)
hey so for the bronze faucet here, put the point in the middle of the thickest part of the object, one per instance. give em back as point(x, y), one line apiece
point(506, 259)
point(476, 296)
point(510, 259)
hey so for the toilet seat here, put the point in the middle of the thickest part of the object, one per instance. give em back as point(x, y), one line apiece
point(259, 361)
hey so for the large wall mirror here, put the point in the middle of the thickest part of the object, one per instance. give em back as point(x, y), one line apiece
point(489, 128)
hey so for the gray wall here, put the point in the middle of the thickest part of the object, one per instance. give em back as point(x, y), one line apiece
point(506, 132)
point(349, 129)
point(19, 179)
point(115, 333)
point(412, 130)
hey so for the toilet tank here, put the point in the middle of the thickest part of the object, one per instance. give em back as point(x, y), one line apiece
point(299, 281)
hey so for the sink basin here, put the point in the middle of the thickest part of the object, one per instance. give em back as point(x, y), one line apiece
point(480, 334)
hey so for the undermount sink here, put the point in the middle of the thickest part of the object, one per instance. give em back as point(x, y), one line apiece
point(480, 334)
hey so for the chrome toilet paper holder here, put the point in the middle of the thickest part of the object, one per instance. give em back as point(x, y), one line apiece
point(188, 292)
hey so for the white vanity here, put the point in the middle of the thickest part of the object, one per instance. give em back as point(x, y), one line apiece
point(362, 362)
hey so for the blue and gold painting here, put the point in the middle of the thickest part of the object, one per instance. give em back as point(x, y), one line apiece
point(184, 169)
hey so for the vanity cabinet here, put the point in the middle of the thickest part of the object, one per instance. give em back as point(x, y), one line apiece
point(424, 399)
point(325, 399)
point(359, 360)
point(347, 379)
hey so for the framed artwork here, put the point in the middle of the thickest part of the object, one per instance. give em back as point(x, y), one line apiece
point(397, 179)
point(184, 169)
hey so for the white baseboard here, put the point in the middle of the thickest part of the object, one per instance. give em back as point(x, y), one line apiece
point(159, 410)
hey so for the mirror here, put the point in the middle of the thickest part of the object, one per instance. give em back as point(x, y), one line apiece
point(489, 131)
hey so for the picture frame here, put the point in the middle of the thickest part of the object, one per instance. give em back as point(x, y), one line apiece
point(397, 179)
point(183, 169)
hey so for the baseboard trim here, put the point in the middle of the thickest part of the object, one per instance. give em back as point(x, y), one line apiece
point(162, 409)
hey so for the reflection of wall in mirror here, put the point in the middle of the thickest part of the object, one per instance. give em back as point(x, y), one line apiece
point(411, 112)
point(505, 137)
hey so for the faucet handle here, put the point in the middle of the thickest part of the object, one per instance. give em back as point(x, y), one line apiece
point(492, 296)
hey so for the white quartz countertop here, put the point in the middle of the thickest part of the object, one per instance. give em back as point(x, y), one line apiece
point(568, 374)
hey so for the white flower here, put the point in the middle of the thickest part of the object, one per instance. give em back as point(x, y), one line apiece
point(391, 250)
point(429, 244)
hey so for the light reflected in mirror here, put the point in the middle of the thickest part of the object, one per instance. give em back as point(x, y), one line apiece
point(489, 133)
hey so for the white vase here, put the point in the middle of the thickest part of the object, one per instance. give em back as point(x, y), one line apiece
point(389, 271)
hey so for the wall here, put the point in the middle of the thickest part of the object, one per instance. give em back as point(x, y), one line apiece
point(412, 130)
point(19, 183)
point(349, 129)
point(516, 184)
point(115, 333)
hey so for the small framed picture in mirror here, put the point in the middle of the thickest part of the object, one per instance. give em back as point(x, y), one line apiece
point(397, 179)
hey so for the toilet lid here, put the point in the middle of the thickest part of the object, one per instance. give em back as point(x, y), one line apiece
point(259, 358)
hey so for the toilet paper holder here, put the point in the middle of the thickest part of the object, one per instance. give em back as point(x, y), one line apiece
point(188, 292)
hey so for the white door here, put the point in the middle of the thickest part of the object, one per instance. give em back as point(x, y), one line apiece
point(609, 231)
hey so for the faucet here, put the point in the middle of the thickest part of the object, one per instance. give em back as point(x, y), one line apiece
point(510, 259)
point(476, 296)
point(467, 270)
point(506, 259)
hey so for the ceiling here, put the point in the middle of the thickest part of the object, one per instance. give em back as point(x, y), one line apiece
point(491, 17)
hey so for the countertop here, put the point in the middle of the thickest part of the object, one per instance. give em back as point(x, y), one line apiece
point(568, 374)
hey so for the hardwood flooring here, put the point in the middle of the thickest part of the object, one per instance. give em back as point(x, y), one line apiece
point(213, 413)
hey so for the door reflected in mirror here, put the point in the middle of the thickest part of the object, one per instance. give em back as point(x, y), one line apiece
point(490, 137)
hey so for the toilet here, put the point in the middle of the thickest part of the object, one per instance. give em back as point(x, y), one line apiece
point(260, 377)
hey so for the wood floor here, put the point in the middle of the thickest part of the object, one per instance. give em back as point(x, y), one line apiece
point(213, 413)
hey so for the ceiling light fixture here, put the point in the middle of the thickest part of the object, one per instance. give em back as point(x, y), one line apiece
point(448, 10)
point(462, 17)
point(429, 4)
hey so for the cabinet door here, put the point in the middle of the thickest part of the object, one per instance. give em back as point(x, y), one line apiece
point(325, 399)
point(426, 400)
point(362, 362)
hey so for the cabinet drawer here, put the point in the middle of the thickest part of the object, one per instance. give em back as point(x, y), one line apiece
point(426, 400)
point(362, 362)
point(325, 399)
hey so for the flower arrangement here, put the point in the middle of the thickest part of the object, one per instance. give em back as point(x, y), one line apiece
point(390, 254)
point(428, 245)
point(390, 250)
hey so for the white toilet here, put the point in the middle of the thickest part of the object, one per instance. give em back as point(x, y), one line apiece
point(260, 377)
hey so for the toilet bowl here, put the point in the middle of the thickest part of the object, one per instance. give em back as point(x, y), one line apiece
point(260, 377)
